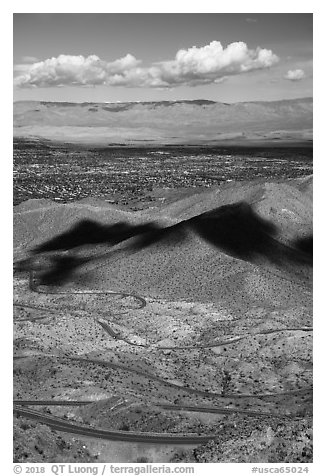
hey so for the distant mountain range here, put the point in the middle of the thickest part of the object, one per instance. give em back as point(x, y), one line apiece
point(186, 122)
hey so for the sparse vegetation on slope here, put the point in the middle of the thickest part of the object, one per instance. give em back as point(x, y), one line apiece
point(220, 266)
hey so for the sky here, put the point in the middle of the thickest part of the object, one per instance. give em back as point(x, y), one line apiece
point(110, 57)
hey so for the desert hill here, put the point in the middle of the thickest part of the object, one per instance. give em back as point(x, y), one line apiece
point(150, 123)
point(287, 204)
point(211, 311)
point(38, 220)
point(244, 243)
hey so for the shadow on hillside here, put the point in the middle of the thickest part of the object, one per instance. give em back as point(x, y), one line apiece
point(305, 245)
point(235, 229)
point(89, 232)
point(240, 232)
point(54, 271)
point(61, 270)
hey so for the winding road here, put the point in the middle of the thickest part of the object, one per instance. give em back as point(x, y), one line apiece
point(115, 435)
point(107, 327)
point(69, 427)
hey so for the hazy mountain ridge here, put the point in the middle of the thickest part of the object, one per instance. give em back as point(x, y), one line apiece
point(185, 122)
point(199, 102)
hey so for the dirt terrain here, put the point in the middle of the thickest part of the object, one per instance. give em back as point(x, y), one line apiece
point(182, 324)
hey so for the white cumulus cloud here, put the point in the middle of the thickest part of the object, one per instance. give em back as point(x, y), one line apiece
point(211, 62)
point(74, 70)
point(196, 65)
point(295, 75)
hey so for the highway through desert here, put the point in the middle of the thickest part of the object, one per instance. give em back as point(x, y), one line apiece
point(61, 425)
point(71, 427)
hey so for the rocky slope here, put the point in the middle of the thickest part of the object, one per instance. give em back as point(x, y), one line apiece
point(209, 332)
